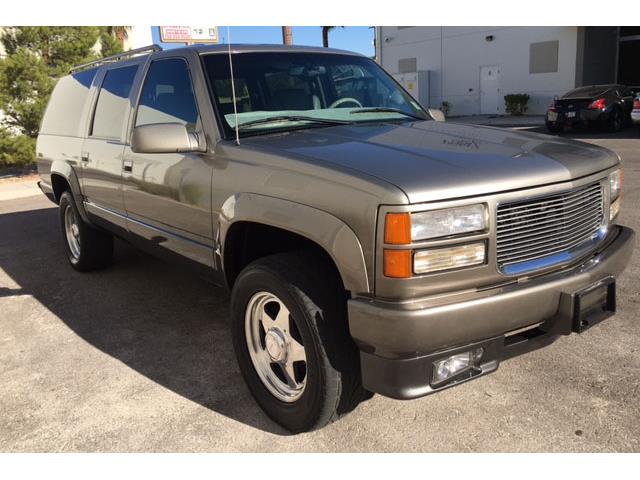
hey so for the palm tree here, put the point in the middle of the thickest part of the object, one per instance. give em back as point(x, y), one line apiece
point(325, 36)
point(287, 36)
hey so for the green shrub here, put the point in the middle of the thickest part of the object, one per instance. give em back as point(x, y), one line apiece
point(16, 150)
point(516, 103)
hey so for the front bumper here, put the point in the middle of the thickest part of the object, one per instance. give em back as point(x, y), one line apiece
point(399, 341)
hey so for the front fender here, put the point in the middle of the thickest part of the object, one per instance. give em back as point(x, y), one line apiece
point(326, 230)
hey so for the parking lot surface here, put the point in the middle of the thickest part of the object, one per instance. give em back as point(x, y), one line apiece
point(138, 357)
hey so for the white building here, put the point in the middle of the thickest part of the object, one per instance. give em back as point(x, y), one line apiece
point(473, 68)
point(137, 37)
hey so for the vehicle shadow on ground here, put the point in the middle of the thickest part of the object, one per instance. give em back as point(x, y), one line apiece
point(631, 133)
point(166, 324)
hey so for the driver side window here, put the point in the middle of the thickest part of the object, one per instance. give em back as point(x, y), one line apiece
point(167, 95)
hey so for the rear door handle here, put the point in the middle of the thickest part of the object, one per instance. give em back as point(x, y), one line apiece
point(128, 165)
point(84, 157)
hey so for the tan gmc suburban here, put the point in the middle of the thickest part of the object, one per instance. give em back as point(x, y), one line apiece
point(367, 247)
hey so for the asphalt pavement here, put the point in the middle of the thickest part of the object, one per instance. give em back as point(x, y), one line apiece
point(138, 357)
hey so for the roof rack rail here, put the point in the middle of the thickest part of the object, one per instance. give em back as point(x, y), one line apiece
point(118, 56)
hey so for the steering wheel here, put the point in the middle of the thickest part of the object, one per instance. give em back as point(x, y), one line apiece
point(342, 100)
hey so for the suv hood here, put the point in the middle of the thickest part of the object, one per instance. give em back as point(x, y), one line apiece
point(436, 161)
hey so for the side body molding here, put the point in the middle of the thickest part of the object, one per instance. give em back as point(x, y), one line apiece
point(65, 170)
point(326, 230)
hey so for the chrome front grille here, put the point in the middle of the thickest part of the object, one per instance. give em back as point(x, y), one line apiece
point(545, 226)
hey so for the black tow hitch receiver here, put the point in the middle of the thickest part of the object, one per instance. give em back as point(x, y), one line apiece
point(593, 304)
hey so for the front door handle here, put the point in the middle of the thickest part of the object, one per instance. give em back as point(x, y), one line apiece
point(84, 157)
point(128, 165)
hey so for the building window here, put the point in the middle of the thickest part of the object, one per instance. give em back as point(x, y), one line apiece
point(407, 65)
point(627, 31)
point(543, 57)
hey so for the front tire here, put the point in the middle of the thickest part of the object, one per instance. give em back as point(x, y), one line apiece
point(290, 335)
point(87, 248)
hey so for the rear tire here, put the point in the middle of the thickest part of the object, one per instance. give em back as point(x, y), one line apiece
point(326, 384)
point(87, 248)
point(615, 122)
point(553, 128)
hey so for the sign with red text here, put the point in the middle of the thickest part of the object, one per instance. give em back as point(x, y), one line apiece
point(189, 34)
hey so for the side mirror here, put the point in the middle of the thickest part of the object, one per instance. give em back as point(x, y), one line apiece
point(164, 138)
point(437, 115)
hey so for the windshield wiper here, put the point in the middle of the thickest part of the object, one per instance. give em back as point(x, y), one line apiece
point(387, 109)
point(293, 118)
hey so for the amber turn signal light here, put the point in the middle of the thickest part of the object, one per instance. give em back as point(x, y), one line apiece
point(397, 229)
point(397, 263)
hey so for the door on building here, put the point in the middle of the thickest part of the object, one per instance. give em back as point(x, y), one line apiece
point(490, 101)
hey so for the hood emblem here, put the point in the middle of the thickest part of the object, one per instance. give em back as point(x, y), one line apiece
point(462, 142)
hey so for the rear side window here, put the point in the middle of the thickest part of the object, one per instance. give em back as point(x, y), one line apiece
point(112, 102)
point(167, 95)
point(66, 106)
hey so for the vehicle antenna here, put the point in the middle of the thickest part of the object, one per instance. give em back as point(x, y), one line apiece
point(233, 87)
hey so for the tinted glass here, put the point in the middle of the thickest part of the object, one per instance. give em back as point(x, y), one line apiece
point(318, 85)
point(112, 102)
point(167, 95)
point(66, 105)
point(587, 92)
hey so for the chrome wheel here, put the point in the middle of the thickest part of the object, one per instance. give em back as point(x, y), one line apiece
point(275, 347)
point(72, 231)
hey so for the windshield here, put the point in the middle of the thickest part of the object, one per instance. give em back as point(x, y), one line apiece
point(288, 90)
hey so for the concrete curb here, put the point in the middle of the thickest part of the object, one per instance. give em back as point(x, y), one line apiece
point(13, 190)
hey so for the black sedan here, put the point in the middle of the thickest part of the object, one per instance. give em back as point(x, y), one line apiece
point(604, 106)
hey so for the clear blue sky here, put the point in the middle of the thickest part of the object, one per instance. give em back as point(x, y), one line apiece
point(356, 39)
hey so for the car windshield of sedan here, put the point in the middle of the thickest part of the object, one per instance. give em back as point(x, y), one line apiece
point(292, 90)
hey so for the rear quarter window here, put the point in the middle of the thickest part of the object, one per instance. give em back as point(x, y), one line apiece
point(64, 112)
point(113, 99)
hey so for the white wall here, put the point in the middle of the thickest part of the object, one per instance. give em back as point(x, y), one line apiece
point(455, 54)
point(137, 37)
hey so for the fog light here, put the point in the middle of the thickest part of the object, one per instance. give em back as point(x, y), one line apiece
point(449, 367)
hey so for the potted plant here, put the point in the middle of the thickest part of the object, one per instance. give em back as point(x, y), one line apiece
point(445, 107)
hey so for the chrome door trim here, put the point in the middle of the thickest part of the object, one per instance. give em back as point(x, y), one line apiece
point(123, 220)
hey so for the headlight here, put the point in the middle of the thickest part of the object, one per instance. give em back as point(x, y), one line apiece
point(615, 183)
point(447, 258)
point(615, 188)
point(448, 221)
point(614, 209)
point(405, 228)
